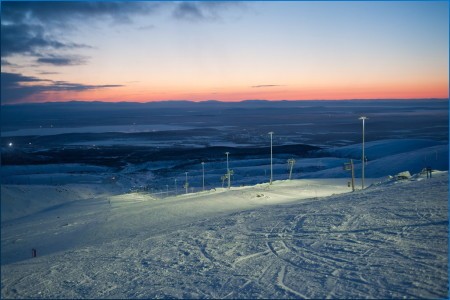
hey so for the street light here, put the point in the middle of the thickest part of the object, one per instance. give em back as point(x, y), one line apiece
point(291, 163)
point(363, 156)
point(228, 170)
point(176, 187)
point(203, 169)
point(186, 185)
point(271, 169)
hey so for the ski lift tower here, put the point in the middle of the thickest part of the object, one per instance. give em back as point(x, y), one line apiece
point(350, 167)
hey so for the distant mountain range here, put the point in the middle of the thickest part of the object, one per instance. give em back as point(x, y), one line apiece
point(180, 103)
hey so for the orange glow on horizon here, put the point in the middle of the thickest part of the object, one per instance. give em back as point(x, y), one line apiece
point(234, 94)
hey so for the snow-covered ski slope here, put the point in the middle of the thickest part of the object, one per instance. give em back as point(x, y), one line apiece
point(307, 238)
point(389, 156)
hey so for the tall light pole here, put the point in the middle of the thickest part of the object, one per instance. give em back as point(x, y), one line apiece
point(228, 170)
point(176, 187)
point(186, 185)
point(271, 169)
point(203, 169)
point(363, 160)
point(291, 163)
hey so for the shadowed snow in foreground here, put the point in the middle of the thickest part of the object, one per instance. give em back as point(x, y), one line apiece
point(293, 239)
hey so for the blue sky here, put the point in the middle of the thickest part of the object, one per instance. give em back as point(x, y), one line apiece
point(229, 51)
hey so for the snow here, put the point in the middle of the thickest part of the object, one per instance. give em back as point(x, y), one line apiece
point(93, 129)
point(303, 238)
point(160, 144)
point(383, 148)
point(413, 156)
point(24, 200)
point(50, 169)
point(307, 238)
point(96, 236)
point(55, 174)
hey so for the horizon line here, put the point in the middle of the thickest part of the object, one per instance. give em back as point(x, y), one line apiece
point(223, 101)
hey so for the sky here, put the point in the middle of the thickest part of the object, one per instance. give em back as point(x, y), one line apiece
point(226, 51)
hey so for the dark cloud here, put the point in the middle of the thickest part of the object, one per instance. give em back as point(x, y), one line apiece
point(57, 60)
point(61, 11)
point(48, 73)
point(30, 40)
point(67, 86)
point(16, 87)
point(6, 63)
point(265, 85)
point(147, 27)
point(29, 28)
point(39, 29)
point(25, 39)
point(12, 79)
point(188, 11)
point(203, 11)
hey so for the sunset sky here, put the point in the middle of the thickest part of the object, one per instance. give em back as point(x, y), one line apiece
point(227, 51)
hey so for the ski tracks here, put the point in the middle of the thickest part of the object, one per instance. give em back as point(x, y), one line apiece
point(280, 282)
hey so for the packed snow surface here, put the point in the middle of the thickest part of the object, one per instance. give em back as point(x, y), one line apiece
point(308, 238)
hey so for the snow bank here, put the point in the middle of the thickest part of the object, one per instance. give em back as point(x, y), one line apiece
point(413, 161)
point(382, 148)
point(23, 200)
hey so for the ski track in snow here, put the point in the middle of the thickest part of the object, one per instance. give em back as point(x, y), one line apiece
point(389, 241)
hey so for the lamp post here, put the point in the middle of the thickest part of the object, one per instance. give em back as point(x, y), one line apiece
point(228, 170)
point(363, 155)
point(203, 169)
point(291, 163)
point(271, 168)
point(186, 185)
point(176, 187)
